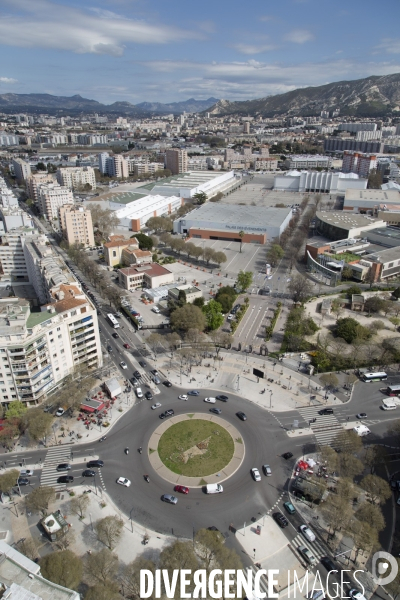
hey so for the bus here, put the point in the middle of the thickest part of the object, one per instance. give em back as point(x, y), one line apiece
point(371, 377)
point(393, 390)
point(112, 320)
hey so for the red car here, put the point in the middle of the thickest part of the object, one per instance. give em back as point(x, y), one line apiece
point(182, 489)
point(127, 346)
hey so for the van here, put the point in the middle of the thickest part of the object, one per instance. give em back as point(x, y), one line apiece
point(156, 310)
point(388, 406)
point(214, 488)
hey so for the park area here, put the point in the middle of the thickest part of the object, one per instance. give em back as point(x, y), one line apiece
point(196, 448)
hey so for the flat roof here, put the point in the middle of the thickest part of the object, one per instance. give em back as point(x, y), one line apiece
point(387, 232)
point(383, 256)
point(248, 216)
point(123, 197)
point(346, 220)
point(373, 195)
point(151, 269)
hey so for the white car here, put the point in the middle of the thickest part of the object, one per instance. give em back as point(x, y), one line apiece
point(183, 397)
point(210, 400)
point(230, 317)
point(60, 412)
point(139, 392)
point(26, 473)
point(123, 365)
point(255, 473)
point(123, 481)
point(308, 534)
point(156, 405)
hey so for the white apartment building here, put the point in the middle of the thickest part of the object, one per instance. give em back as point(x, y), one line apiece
point(22, 169)
point(34, 181)
point(9, 140)
point(308, 162)
point(50, 197)
point(14, 217)
point(7, 197)
point(75, 178)
point(113, 166)
point(354, 127)
point(13, 266)
point(365, 136)
point(76, 225)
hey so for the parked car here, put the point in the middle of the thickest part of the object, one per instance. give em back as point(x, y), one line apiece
point(280, 519)
point(241, 415)
point(95, 463)
point(255, 473)
point(169, 498)
point(60, 412)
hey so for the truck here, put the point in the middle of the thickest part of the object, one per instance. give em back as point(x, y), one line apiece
point(214, 488)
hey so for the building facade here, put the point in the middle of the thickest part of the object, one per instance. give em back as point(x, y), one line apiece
point(22, 169)
point(308, 162)
point(34, 181)
point(145, 276)
point(76, 225)
point(75, 178)
point(114, 247)
point(50, 197)
point(176, 161)
point(357, 162)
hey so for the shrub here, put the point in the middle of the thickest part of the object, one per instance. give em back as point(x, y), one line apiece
point(349, 329)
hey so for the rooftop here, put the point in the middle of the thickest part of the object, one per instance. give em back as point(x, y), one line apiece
point(346, 220)
point(384, 256)
point(383, 196)
point(239, 216)
point(152, 270)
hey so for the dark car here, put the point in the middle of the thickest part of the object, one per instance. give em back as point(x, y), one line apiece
point(287, 455)
point(133, 380)
point(193, 393)
point(115, 335)
point(95, 463)
point(137, 374)
point(167, 383)
point(64, 467)
point(222, 398)
point(213, 528)
point(88, 473)
point(23, 481)
point(109, 349)
point(281, 519)
point(154, 372)
point(328, 564)
point(216, 411)
point(143, 364)
point(65, 479)
point(148, 396)
point(393, 485)
point(167, 413)
point(241, 416)
point(326, 411)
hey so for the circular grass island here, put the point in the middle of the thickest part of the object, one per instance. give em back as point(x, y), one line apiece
point(196, 448)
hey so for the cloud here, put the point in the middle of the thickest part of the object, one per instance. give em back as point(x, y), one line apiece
point(253, 49)
point(8, 80)
point(265, 18)
point(299, 36)
point(44, 24)
point(390, 45)
point(207, 26)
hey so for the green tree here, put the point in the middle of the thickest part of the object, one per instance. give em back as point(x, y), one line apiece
point(347, 272)
point(226, 296)
point(38, 423)
point(28, 548)
point(396, 293)
point(182, 300)
point(349, 465)
point(377, 488)
point(220, 339)
point(200, 197)
point(371, 513)
point(184, 209)
point(108, 591)
point(241, 234)
point(374, 304)
point(197, 252)
point(337, 512)
point(275, 254)
point(15, 409)
point(188, 317)
point(145, 241)
point(349, 329)
point(63, 568)
point(199, 302)
point(131, 576)
point(190, 248)
point(209, 254)
point(41, 166)
point(244, 280)
point(178, 556)
point(220, 257)
point(8, 481)
point(213, 313)
point(177, 245)
point(329, 380)
point(39, 498)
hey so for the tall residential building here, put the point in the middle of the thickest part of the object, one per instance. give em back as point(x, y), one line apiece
point(13, 266)
point(50, 197)
point(176, 161)
point(113, 166)
point(357, 162)
point(76, 178)
point(34, 181)
point(76, 225)
point(22, 169)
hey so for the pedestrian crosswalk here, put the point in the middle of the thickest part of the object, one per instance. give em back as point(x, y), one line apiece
point(325, 428)
point(263, 585)
point(316, 548)
point(54, 457)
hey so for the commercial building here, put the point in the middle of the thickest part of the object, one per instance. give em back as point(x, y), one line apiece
point(386, 263)
point(315, 181)
point(189, 184)
point(139, 208)
point(50, 197)
point(340, 145)
point(338, 225)
point(76, 225)
point(148, 276)
point(9, 140)
point(75, 178)
point(370, 200)
point(132, 256)
point(34, 181)
point(22, 169)
point(176, 160)
point(217, 221)
point(191, 293)
point(114, 247)
point(357, 162)
point(312, 161)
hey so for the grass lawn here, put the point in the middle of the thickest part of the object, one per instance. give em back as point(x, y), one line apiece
point(179, 449)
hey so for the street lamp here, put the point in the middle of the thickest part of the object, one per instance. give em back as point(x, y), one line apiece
point(270, 399)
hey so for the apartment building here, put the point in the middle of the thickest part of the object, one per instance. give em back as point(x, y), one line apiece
point(113, 166)
point(141, 168)
point(176, 161)
point(76, 225)
point(34, 181)
point(22, 169)
point(357, 162)
point(13, 266)
point(50, 197)
point(13, 217)
point(75, 178)
point(308, 162)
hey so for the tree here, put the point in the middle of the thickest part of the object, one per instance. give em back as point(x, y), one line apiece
point(38, 423)
point(220, 257)
point(244, 280)
point(220, 339)
point(154, 341)
point(299, 288)
point(337, 513)
point(145, 241)
point(39, 499)
point(329, 380)
point(200, 197)
point(109, 530)
point(188, 317)
point(226, 296)
point(349, 465)
point(182, 300)
point(15, 409)
point(166, 238)
point(241, 234)
point(104, 219)
point(396, 293)
point(200, 302)
point(377, 488)
point(178, 556)
point(374, 304)
point(63, 568)
point(347, 272)
point(190, 248)
point(371, 513)
point(197, 252)
point(159, 224)
point(184, 209)
point(108, 591)
point(131, 576)
point(349, 329)
point(275, 254)
point(376, 326)
point(177, 244)
point(8, 480)
point(213, 313)
point(101, 567)
point(345, 489)
point(208, 254)
point(27, 547)
point(79, 504)
point(209, 547)
point(41, 166)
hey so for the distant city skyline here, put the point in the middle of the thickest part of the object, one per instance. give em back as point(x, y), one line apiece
point(148, 50)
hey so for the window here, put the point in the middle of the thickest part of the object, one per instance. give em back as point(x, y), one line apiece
point(54, 355)
point(62, 351)
point(51, 341)
point(58, 328)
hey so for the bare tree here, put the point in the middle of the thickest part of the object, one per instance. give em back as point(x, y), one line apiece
point(109, 530)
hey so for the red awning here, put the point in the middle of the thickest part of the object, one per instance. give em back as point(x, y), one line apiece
point(86, 408)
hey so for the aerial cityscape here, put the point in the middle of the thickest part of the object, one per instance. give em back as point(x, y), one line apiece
point(199, 300)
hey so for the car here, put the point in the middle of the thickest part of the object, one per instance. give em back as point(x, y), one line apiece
point(169, 498)
point(139, 392)
point(88, 473)
point(241, 415)
point(216, 411)
point(230, 317)
point(393, 484)
point(95, 463)
point(356, 594)
point(183, 397)
point(26, 473)
point(326, 411)
point(127, 346)
point(255, 473)
point(148, 396)
point(210, 400)
point(154, 372)
point(123, 481)
point(361, 416)
point(156, 405)
point(109, 348)
point(65, 479)
point(182, 489)
point(281, 519)
point(64, 467)
point(289, 508)
point(328, 564)
point(167, 383)
point(267, 470)
point(194, 393)
point(115, 335)
point(23, 481)
point(213, 528)
point(287, 455)
point(156, 379)
point(167, 413)
point(308, 533)
point(307, 555)
point(143, 364)
point(123, 365)
point(222, 398)
point(60, 412)
point(48, 408)
point(137, 374)
point(133, 381)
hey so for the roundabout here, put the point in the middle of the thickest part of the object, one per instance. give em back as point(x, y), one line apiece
point(195, 449)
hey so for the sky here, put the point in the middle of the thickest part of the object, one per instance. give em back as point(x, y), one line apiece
point(165, 51)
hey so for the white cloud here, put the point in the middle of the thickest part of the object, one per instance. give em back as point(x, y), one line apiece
point(299, 36)
point(8, 80)
point(207, 26)
point(253, 49)
point(44, 24)
point(265, 18)
point(390, 45)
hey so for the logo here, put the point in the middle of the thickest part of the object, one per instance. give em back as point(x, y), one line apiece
point(383, 564)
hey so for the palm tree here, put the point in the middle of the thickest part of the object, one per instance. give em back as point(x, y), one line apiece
point(241, 235)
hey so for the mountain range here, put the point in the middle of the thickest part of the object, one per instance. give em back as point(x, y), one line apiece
point(373, 96)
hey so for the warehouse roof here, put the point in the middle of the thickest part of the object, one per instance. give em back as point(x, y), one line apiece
point(245, 215)
point(379, 196)
point(347, 220)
